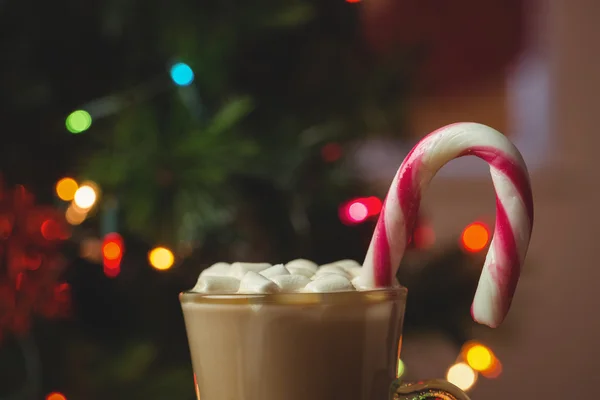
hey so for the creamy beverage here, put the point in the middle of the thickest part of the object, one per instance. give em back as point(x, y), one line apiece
point(301, 333)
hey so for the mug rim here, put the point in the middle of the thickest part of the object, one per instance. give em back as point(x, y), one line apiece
point(375, 295)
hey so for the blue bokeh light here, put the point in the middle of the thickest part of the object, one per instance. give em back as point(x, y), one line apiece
point(182, 74)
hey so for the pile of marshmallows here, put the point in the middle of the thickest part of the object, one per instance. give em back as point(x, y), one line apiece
point(295, 276)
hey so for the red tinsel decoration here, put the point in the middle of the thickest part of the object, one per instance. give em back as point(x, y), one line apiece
point(30, 261)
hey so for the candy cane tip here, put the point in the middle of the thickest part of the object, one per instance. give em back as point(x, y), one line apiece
point(485, 317)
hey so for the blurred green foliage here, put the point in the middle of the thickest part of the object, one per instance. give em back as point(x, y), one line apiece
point(274, 82)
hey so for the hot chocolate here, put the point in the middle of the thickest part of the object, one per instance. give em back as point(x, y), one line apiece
point(294, 346)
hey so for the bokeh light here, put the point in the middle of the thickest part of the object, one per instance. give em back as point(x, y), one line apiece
point(462, 376)
point(331, 152)
point(161, 258)
point(74, 216)
point(182, 74)
point(494, 371)
point(52, 230)
point(423, 237)
point(78, 121)
point(85, 197)
point(90, 248)
point(66, 188)
point(373, 204)
point(358, 211)
point(111, 251)
point(56, 396)
point(112, 271)
point(480, 358)
point(475, 237)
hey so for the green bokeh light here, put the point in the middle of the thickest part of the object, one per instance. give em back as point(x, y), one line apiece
point(78, 121)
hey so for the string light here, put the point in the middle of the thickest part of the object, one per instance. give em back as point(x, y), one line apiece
point(182, 74)
point(475, 237)
point(112, 254)
point(85, 197)
point(331, 152)
point(462, 376)
point(161, 258)
point(74, 216)
point(423, 237)
point(91, 249)
point(66, 188)
point(359, 210)
point(494, 371)
point(479, 357)
point(78, 121)
point(56, 396)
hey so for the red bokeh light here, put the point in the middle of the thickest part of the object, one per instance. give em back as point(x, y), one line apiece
point(112, 271)
point(331, 152)
point(112, 253)
point(52, 230)
point(6, 227)
point(359, 210)
point(373, 204)
point(352, 1)
point(423, 237)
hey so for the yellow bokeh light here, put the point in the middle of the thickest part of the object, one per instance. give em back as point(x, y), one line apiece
point(75, 216)
point(85, 197)
point(66, 188)
point(480, 358)
point(161, 258)
point(462, 376)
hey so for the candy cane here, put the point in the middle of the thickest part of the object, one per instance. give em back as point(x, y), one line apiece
point(514, 213)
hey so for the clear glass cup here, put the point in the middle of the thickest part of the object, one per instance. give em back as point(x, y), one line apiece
point(302, 346)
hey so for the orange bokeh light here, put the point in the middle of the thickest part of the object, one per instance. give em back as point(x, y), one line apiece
point(66, 188)
point(56, 396)
point(111, 251)
point(475, 237)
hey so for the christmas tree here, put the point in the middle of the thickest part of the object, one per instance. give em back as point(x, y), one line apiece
point(218, 131)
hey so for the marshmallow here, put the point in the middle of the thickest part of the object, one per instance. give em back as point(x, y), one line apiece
point(238, 269)
point(329, 283)
point(300, 271)
point(347, 264)
point(354, 271)
point(216, 284)
point(218, 269)
point(302, 263)
point(330, 269)
point(291, 283)
point(296, 275)
point(275, 270)
point(256, 283)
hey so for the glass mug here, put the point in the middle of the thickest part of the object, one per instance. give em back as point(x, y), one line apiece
point(302, 346)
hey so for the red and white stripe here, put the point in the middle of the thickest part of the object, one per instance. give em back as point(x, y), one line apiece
point(514, 213)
